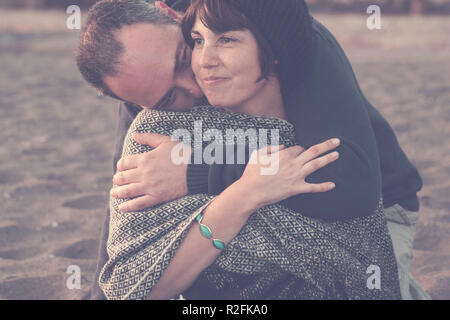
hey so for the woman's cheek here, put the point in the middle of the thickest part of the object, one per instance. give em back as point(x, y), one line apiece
point(194, 64)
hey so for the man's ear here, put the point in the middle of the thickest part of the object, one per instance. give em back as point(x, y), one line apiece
point(168, 11)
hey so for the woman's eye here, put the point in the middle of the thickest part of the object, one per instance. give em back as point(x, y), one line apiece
point(197, 41)
point(227, 40)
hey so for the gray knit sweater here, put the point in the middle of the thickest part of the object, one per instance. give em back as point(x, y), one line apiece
point(283, 253)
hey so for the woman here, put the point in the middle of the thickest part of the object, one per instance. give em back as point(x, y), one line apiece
point(254, 88)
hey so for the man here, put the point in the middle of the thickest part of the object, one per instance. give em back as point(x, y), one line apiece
point(132, 53)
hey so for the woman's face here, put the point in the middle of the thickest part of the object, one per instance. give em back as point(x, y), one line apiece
point(226, 66)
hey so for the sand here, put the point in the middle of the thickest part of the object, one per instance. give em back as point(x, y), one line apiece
point(57, 142)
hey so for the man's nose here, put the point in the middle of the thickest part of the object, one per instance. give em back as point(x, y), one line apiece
point(186, 81)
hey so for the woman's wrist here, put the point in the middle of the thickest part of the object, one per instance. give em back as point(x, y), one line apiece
point(251, 198)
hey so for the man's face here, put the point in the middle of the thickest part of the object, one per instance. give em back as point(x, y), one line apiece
point(155, 70)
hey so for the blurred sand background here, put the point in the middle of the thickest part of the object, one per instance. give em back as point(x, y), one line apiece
point(57, 142)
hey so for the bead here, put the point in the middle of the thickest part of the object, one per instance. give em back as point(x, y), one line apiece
point(205, 231)
point(218, 244)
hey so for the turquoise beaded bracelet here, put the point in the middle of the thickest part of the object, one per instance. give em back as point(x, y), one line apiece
point(206, 231)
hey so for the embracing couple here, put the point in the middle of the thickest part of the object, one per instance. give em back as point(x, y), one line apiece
point(336, 220)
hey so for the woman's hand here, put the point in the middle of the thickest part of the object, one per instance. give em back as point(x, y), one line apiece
point(292, 165)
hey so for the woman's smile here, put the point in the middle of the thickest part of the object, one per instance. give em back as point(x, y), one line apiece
point(214, 81)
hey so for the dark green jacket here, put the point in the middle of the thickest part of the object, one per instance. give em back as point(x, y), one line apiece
point(330, 104)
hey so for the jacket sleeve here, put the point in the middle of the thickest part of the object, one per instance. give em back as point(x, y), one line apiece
point(330, 105)
point(214, 178)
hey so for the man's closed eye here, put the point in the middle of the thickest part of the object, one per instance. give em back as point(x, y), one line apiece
point(184, 60)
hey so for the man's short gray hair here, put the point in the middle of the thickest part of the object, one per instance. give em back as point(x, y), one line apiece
point(99, 51)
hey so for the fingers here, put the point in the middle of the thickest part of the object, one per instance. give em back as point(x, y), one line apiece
point(263, 154)
point(271, 149)
point(311, 164)
point(125, 192)
point(319, 187)
point(127, 163)
point(318, 149)
point(150, 139)
point(138, 204)
point(318, 163)
point(295, 151)
point(126, 177)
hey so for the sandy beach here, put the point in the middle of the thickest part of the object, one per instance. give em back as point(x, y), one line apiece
point(57, 139)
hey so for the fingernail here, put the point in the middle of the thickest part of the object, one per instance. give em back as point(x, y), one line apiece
point(331, 185)
point(113, 193)
point(336, 141)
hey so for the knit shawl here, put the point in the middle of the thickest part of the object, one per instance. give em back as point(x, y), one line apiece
point(278, 254)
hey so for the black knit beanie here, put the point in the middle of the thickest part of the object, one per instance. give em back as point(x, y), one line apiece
point(287, 26)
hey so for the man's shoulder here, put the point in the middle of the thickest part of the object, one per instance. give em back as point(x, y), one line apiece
point(321, 31)
point(327, 44)
point(331, 77)
point(330, 62)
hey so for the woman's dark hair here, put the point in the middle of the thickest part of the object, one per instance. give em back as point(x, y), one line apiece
point(221, 16)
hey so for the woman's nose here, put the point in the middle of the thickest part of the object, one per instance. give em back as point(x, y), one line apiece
point(208, 57)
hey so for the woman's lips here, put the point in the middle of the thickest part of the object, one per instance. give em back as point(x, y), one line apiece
point(213, 81)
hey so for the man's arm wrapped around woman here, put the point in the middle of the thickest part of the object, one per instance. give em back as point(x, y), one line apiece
point(323, 260)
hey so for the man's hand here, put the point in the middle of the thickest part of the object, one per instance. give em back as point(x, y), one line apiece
point(152, 176)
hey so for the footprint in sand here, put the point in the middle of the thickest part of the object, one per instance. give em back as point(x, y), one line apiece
point(430, 238)
point(10, 177)
point(84, 249)
point(51, 177)
point(19, 254)
point(43, 189)
point(32, 288)
point(13, 233)
point(439, 200)
point(33, 151)
point(87, 202)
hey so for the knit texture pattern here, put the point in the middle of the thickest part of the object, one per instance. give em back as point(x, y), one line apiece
point(284, 254)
